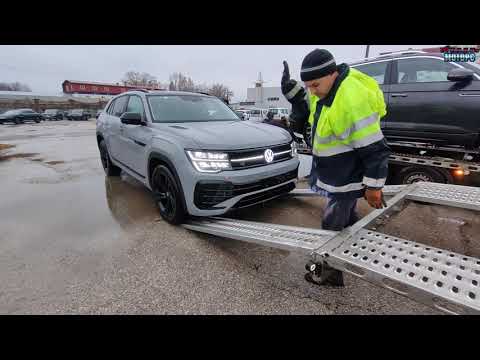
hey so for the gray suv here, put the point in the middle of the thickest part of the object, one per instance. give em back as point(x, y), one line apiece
point(194, 153)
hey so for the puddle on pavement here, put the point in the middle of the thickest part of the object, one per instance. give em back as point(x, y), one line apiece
point(130, 203)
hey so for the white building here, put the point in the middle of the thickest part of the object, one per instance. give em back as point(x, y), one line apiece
point(266, 97)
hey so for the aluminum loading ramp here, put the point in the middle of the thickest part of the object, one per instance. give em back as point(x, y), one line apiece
point(443, 279)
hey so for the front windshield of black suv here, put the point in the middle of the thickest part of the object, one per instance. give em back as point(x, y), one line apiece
point(189, 108)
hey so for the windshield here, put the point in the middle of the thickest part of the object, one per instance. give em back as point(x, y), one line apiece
point(50, 111)
point(189, 108)
point(11, 112)
point(77, 111)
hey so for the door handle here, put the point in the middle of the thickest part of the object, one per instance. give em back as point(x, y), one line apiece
point(399, 95)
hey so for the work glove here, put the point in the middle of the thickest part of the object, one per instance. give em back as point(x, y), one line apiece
point(296, 95)
point(291, 89)
point(375, 198)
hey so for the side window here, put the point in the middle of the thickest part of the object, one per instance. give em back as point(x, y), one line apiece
point(420, 70)
point(110, 108)
point(135, 105)
point(375, 70)
point(119, 107)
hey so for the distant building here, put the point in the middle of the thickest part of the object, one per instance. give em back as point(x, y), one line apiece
point(90, 87)
point(41, 101)
point(266, 97)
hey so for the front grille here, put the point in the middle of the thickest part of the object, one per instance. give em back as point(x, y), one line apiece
point(244, 159)
point(210, 193)
point(264, 196)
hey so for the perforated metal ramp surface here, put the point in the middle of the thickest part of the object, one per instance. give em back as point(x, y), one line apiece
point(277, 236)
point(452, 195)
point(443, 279)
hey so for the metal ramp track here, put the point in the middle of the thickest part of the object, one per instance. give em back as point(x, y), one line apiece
point(445, 280)
point(278, 236)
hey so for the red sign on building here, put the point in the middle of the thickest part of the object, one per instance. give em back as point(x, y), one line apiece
point(83, 87)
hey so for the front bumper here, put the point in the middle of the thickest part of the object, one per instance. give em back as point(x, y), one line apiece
point(216, 194)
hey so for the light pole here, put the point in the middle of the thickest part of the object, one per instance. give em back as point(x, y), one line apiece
point(367, 51)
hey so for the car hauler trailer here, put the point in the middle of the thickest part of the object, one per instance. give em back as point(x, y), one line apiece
point(443, 279)
point(411, 162)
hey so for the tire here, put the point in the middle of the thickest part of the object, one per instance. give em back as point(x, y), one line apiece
point(37, 120)
point(17, 121)
point(109, 168)
point(412, 174)
point(168, 195)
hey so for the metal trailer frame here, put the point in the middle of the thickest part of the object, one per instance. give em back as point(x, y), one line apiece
point(442, 279)
point(441, 162)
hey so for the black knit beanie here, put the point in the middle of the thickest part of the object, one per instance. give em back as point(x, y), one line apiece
point(317, 64)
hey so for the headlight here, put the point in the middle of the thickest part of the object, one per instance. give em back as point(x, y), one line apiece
point(293, 146)
point(209, 161)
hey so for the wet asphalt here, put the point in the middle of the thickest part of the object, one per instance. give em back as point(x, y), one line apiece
point(73, 241)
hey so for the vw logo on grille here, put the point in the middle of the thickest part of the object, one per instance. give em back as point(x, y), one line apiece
point(268, 155)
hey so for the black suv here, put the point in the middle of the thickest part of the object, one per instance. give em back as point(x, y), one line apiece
point(428, 100)
point(79, 114)
point(53, 114)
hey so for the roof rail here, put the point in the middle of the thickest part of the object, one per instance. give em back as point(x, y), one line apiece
point(142, 90)
point(385, 55)
point(401, 52)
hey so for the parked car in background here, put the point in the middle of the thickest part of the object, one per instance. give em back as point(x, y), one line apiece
point(428, 100)
point(279, 113)
point(79, 114)
point(245, 113)
point(53, 114)
point(257, 115)
point(19, 116)
point(241, 114)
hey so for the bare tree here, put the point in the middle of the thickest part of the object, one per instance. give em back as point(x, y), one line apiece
point(135, 78)
point(203, 88)
point(16, 86)
point(180, 82)
point(221, 91)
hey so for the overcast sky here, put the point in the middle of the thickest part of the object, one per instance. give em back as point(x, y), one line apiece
point(45, 67)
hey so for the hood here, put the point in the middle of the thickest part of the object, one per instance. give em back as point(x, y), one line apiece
point(227, 135)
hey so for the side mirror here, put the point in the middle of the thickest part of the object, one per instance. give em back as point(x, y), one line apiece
point(131, 118)
point(460, 75)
